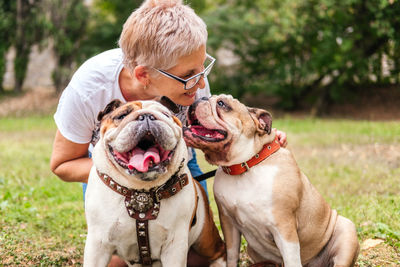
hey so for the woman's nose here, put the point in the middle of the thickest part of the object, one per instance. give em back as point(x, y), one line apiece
point(201, 84)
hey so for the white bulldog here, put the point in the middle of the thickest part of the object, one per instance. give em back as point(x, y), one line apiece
point(141, 202)
point(262, 194)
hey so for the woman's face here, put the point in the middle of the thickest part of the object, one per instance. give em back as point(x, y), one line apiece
point(186, 67)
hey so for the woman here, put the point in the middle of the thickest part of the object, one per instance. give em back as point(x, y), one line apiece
point(162, 53)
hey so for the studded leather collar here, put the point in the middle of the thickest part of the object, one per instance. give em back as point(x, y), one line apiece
point(144, 205)
point(267, 264)
point(240, 168)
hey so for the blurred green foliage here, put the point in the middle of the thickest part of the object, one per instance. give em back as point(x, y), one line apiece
point(7, 23)
point(30, 28)
point(107, 20)
point(306, 52)
point(68, 19)
point(22, 24)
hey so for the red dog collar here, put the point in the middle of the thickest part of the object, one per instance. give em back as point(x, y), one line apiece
point(240, 168)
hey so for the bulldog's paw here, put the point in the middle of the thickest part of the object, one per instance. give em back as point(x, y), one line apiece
point(220, 262)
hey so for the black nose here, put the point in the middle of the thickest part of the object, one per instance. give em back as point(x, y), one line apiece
point(146, 116)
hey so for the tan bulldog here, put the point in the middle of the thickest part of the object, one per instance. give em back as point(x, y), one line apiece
point(141, 202)
point(261, 192)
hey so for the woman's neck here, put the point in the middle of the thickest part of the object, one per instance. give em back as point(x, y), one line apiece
point(132, 89)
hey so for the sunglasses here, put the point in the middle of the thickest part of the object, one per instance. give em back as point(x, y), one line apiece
point(192, 81)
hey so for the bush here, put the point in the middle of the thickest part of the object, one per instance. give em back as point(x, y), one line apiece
point(306, 52)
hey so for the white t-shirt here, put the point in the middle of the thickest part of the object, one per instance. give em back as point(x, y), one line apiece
point(92, 87)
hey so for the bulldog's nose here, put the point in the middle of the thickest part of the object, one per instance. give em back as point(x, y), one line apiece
point(146, 116)
point(204, 98)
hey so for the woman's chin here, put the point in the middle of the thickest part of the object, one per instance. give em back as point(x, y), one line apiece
point(184, 100)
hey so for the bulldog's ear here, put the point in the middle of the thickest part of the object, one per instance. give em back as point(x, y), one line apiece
point(262, 120)
point(109, 108)
point(169, 104)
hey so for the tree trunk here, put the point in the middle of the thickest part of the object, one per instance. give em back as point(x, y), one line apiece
point(21, 46)
point(320, 106)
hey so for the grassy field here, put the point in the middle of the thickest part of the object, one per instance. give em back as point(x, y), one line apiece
point(354, 164)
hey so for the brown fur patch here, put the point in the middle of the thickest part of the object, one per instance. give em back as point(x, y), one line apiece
point(109, 116)
point(209, 244)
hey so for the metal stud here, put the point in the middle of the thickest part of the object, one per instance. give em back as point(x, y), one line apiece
point(155, 212)
point(131, 212)
point(112, 184)
point(142, 215)
point(156, 206)
point(141, 226)
point(119, 188)
point(128, 204)
point(143, 248)
point(142, 233)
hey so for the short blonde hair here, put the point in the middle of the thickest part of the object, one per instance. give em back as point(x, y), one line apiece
point(159, 32)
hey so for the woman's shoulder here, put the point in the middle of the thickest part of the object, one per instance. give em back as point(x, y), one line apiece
point(101, 68)
point(100, 71)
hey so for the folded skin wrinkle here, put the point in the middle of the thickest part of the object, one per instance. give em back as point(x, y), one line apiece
point(143, 144)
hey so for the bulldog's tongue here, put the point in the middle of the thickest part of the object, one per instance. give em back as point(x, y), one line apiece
point(140, 159)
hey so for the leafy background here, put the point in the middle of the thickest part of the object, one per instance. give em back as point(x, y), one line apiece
point(304, 54)
point(306, 60)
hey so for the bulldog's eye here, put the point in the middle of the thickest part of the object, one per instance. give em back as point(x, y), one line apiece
point(221, 103)
point(121, 116)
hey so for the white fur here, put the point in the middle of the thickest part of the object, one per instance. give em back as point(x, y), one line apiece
point(249, 197)
point(112, 230)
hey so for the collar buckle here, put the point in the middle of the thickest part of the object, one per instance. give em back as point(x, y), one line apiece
point(157, 194)
point(244, 165)
point(226, 169)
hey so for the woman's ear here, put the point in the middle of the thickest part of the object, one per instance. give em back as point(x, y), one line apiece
point(262, 120)
point(141, 73)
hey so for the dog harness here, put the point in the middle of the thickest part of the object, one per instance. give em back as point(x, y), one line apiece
point(267, 264)
point(144, 205)
point(266, 151)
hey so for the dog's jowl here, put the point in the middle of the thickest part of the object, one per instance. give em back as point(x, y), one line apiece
point(261, 193)
point(141, 202)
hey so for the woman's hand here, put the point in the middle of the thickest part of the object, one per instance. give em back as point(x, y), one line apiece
point(281, 138)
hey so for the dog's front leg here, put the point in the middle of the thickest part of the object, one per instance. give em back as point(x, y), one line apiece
point(174, 253)
point(287, 240)
point(96, 253)
point(232, 237)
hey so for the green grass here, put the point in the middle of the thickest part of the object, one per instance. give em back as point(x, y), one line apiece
point(41, 218)
point(354, 164)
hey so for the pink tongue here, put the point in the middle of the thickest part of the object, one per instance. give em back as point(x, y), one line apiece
point(140, 159)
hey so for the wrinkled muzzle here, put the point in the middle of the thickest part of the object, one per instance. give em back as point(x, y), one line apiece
point(142, 145)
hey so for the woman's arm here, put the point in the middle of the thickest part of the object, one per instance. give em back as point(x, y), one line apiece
point(69, 160)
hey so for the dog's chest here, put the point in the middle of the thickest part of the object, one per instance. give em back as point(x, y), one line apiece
point(248, 200)
point(108, 220)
